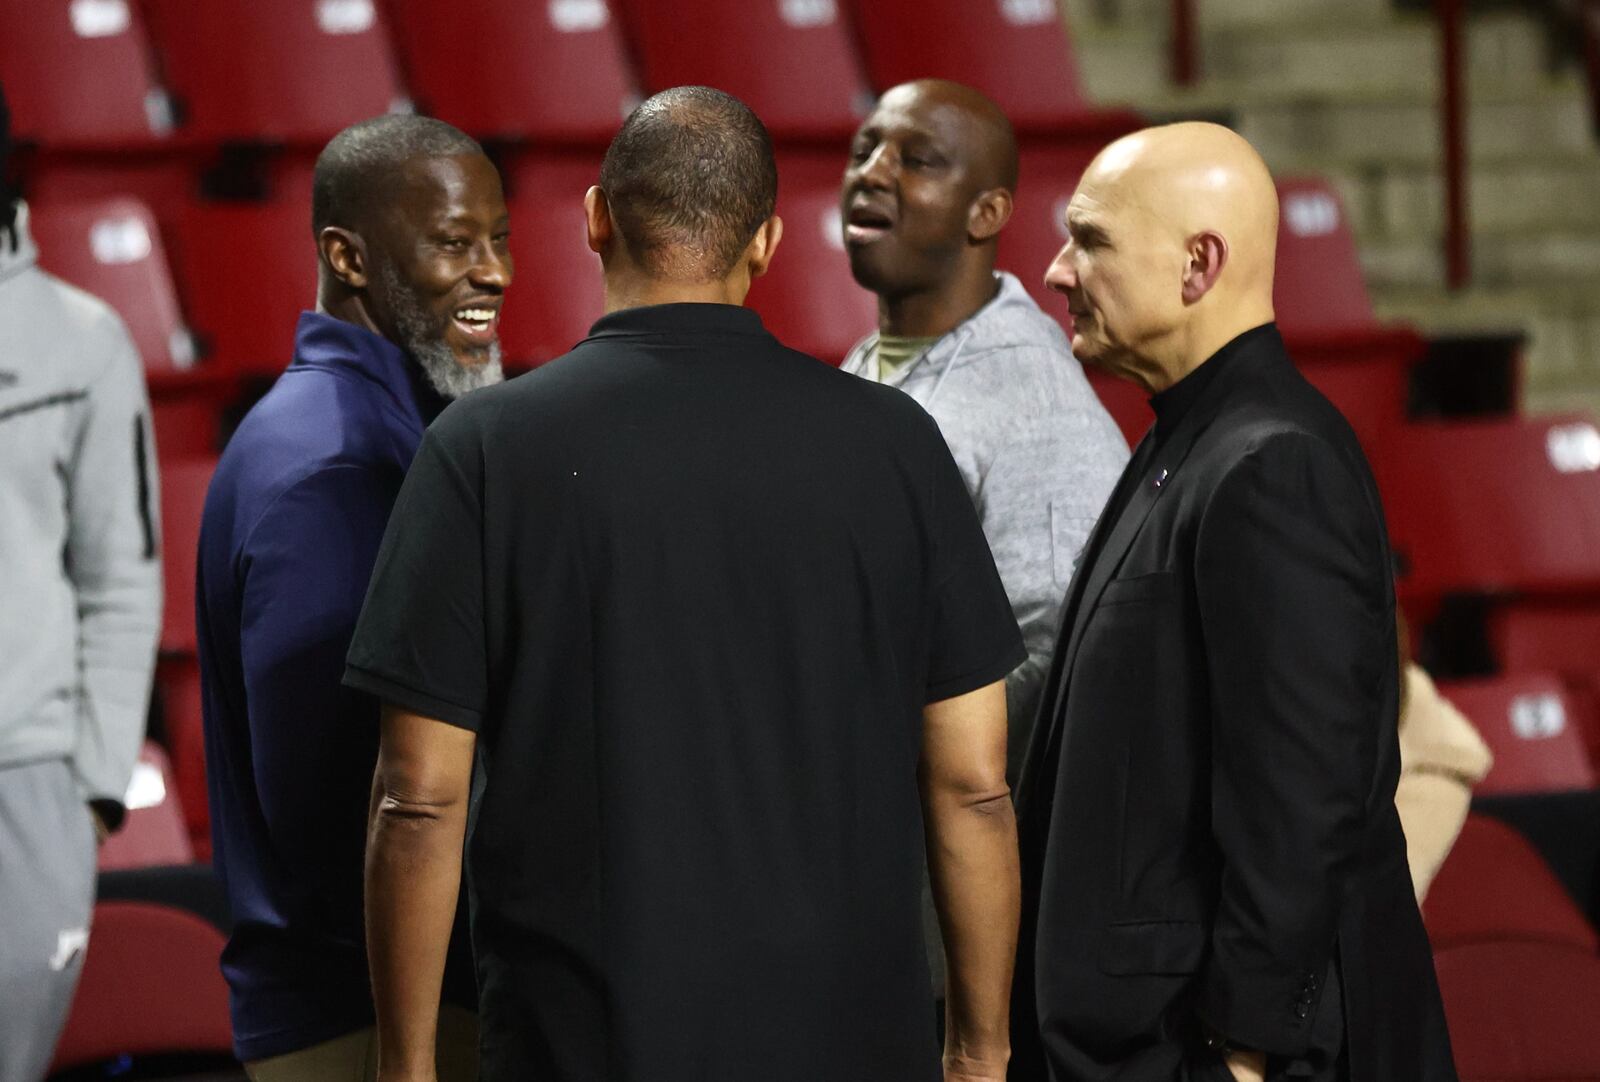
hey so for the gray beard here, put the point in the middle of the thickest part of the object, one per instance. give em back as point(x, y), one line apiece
point(422, 337)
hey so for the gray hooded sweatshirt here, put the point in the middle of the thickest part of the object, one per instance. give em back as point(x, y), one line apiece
point(80, 576)
point(1039, 453)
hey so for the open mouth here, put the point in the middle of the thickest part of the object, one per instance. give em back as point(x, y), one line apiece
point(480, 324)
point(865, 224)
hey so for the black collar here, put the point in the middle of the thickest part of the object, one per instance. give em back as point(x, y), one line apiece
point(678, 319)
point(1173, 403)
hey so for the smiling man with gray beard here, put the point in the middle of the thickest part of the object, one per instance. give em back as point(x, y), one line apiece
point(411, 239)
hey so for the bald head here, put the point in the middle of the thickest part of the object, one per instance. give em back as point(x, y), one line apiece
point(927, 191)
point(1172, 241)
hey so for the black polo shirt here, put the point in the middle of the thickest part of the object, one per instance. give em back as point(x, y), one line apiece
point(692, 590)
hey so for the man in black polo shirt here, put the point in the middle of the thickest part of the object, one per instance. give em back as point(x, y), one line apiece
point(710, 613)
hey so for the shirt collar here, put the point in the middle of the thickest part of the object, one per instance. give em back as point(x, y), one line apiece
point(684, 318)
point(1173, 403)
point(323, 341)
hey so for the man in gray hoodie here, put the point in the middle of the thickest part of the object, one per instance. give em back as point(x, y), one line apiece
point(925, 196)
point(80, 609)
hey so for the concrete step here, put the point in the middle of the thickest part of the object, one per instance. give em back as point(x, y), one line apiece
point(1502, 197)
point(1224, 12)
point(1549, 257)
point(1384, 130)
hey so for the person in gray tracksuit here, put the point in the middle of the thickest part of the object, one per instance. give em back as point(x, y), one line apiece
point(925, 195)
point(80, 609)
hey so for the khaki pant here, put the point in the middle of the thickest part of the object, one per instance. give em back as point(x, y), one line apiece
point(354, 1057)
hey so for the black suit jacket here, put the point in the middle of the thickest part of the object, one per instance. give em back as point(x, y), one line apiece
point(1206, 811)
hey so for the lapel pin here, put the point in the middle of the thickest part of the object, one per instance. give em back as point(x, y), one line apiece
point(1161, 478)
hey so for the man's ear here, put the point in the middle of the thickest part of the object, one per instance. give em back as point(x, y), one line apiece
point(597, 216)
point(1208, 254)
point(345, 253)
point(759, 252)
point(989, 213)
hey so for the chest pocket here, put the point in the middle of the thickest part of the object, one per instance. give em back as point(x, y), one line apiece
point(1154, 586)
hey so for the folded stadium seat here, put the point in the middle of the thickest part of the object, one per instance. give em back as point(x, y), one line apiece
point(507, 69)
point(1017, 51)
point(247, 271)
point(1522, 1012)
point(1549, 634)
point(292, 72)
point(154, 832)
point(151, 984)
point(1529, 721)
point(1498, 506)
point(112, 248)
point(557, 292)
point(183, 733)
point(82, 76)
point(808, 298)
point(1495, 887)
point(183, 499)
point(792, 61)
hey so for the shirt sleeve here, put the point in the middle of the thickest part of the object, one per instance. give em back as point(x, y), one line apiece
point(114, 565)
point(974, 639)
point(421, 641)
point(304, 568)
point(1299, 644)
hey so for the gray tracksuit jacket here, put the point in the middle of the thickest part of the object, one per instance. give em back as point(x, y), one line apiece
point(1039, 453)
point(80, 574)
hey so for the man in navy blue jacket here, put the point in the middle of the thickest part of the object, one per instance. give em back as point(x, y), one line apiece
point(411, 232)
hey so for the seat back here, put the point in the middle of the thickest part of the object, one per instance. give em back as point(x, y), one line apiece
point(1530, 723)
point(792, 61)
point(154, 832)
point(292, 71)
point(558, 291)
point(1498, 506)
point(1318, 287)
point(81, 75)
point(1016, 51)
point(183, 729)
point(151, 984)
point(808, 299)
point(550, 71)
point(183, 499)
point(1494, 887)
point(111, 247)
point(1520, 1012)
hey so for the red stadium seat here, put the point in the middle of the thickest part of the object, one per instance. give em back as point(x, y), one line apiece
point(151, 984)
point(248, 270)
point(1549, 635)
point(1522, 1012)
point(154, 832)
point(558, 292)
point(792, 61)
point(1498, 506)
point(1128, 404)
point(1016, 51)
point(1495, 887)
point(1530, 723)
point(183, 730)
point(183, 499)
point(808, 298)
point(293, 71)
point(81, 75)
point(554, 71)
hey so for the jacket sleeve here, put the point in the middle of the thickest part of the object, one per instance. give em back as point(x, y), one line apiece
point(112, 559)
point(1297, 626)
point(1039, 495)
point(305, 567)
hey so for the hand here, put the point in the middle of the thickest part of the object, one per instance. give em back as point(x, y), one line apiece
point(101, 831)
point(1247, 1066)
point(958, 1068)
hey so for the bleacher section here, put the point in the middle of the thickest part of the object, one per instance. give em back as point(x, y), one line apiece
point(167, 156)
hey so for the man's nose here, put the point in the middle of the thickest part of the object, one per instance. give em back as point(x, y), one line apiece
point(877, 171)
point(1060, 274)
point(493, 269)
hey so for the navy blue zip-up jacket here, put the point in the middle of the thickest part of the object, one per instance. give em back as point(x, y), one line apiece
point(291, 528)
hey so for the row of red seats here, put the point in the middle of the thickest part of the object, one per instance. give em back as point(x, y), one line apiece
point(142, 74)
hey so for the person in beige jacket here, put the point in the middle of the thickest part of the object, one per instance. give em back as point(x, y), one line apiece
point(1441, 758)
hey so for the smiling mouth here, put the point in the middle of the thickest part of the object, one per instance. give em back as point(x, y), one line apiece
point(480, 324)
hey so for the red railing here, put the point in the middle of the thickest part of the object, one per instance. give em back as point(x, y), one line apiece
point(1185, 61)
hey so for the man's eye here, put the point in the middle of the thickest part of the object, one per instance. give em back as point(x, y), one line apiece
point(456, 244)
point(860, 154)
